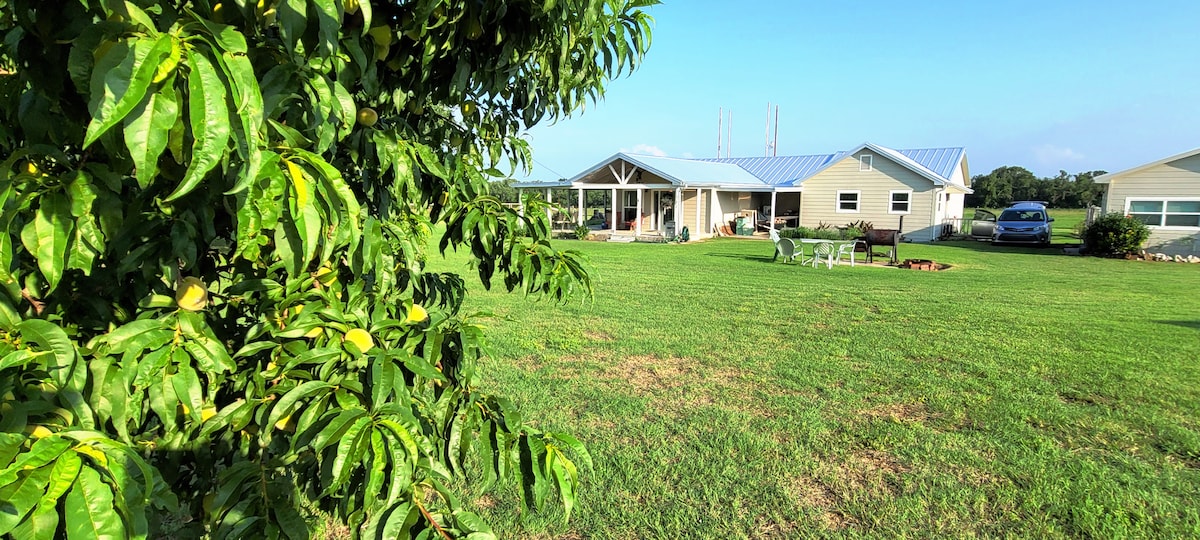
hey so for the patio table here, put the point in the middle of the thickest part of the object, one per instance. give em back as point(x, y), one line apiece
point(807, 252)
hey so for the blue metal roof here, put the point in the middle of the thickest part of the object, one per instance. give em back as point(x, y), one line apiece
point(772, 171)
point(939, 160)
point(694, 171)
point(782, 170)
point(785, 171)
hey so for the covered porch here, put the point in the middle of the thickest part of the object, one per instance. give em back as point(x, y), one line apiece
point(656, 197)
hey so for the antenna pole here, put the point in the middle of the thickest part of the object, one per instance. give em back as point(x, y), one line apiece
point(767, 134)
point(776, 145)
point(729, 137)
point(720, 117)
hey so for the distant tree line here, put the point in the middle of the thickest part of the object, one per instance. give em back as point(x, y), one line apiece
point(1004, 185)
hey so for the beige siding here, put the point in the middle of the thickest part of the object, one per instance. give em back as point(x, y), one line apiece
point(689, 213)
point(730, 203)
point(818, 204)
point(1179, 178)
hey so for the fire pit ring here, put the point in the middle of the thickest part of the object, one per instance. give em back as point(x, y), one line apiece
point(923, 264)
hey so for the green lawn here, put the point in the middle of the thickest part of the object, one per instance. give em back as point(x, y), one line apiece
point(722, 395)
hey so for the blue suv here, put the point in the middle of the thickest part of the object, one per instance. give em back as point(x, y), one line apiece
point(1025, 222)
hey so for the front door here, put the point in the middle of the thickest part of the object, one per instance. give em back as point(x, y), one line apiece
point(666, 212)
point(629, 211)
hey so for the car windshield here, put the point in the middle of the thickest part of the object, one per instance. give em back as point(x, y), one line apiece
point(1021, 215)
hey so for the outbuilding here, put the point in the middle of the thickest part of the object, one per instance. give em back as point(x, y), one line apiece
point(1165, 195)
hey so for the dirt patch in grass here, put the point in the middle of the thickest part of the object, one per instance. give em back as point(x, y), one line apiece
point(597, 335)
point(648, 373)
point(569, 535)
point(865, 473)
point(1076, 398)
point(766, 527)
point(527, 363)
point(902, 413)
point(812, 494)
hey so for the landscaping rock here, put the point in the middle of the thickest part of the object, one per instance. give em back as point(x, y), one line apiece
point(1179, 258)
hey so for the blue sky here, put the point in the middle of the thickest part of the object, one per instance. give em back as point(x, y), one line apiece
point(1046, 85)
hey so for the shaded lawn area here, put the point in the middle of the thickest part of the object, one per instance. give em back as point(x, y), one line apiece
point(724, 396)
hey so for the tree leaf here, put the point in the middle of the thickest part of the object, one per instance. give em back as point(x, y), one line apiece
point(125, 86)
point(290, 521)
point(422, 367)
point(62, 476)
point(48, 236)
point(89, 509)
point(86, 244)
point(210, 354)
point(51, 338)
point(350, 450)
point(336, 428)
point(581, 452)
point(148, 128)
point(19, 497)
point(210, 122)
point(42, 524)
point(285, 404)
point(293, 18)
point(329, 22)
point(123, 338)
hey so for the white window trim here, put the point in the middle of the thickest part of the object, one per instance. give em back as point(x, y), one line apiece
point(892, 201)
point(837, 201)
point(865, 163)
point(1164, 200)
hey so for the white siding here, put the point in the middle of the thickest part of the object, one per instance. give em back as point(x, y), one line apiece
point(1180, 178)
point(818, 202)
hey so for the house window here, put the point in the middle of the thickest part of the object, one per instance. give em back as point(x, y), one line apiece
point(631, 198)
point(900, 202)
point(864, 163)
point(1165, 212)
point(847, 201)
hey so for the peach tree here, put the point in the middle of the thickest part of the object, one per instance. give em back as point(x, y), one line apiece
point(215, 314)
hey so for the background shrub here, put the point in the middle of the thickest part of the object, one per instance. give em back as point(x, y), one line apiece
point(1114, 235)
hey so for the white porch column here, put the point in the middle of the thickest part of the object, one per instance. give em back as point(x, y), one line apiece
point(520, 202)
point(771, 223)
point(655, 208)
point(699, 207)
point(549, 201)
point(579, 218)
point(638, 213)
point(713, 209)
point(677, 211)
point(613, 220)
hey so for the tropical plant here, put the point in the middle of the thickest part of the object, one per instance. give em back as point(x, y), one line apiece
point(1115, 235)
point(214, 313)
point(862, 225)
point(582, 232)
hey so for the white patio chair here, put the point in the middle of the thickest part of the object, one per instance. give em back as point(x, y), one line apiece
point(821, 250)
point(846, 249)
point(785, 248)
